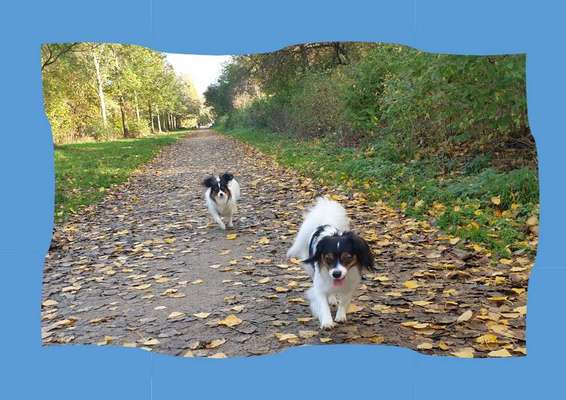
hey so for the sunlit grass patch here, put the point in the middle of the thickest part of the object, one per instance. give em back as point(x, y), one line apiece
point(84, 171)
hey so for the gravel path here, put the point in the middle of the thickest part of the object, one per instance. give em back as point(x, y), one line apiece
point(145, 268)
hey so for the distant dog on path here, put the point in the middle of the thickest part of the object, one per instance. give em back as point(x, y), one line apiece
point(334, 257)
point(222, 195)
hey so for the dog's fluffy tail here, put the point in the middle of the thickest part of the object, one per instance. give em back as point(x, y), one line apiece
point(324, 212)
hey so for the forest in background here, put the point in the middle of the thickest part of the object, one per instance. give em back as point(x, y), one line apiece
point(442, 137)
point(413, 102)
point(99, 92)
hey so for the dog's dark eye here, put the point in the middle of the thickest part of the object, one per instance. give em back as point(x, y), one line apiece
point(329, 258)
point(347, 258)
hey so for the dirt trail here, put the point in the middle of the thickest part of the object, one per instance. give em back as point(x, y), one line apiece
point(136, 268)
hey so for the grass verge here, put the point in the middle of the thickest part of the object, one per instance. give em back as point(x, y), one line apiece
point(84, 171)
point(478, 207)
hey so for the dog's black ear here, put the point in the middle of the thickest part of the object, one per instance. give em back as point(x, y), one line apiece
point(209, 182)
point(227, 177)
point(363, 252)
point(314, 257)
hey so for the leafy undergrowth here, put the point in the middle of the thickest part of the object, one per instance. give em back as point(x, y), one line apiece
point(84, 171)
point(478, 206)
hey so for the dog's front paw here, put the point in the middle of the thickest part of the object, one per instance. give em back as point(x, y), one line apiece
point(327, 324)
point(340, 317)
point(222, 226)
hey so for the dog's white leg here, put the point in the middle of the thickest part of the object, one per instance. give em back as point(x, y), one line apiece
point(230, 224)
point(217, 218)
point(325, 316)
point(343, 304)
point(332, 300)
point(320, 308)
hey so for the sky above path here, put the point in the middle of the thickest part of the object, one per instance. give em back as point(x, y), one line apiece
point(203, 70)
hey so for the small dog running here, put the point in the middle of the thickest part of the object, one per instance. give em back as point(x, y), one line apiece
point(222, 195)
point(333, 256)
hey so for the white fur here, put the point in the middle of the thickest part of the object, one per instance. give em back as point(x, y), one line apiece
point(324, 212)
point(323, 293)
point(223, 208)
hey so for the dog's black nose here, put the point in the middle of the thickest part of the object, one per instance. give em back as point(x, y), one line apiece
point(336, 274)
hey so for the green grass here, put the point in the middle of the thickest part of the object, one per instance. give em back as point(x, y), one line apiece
point(84, 171)
point(459, 201)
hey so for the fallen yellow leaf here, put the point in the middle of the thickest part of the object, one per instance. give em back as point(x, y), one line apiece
point(49, 303)
point(176, 315)
point(215, 343)
point(466, 316)
point(230, 321)
point(354, 308)
point(307, 334)
point(499, 353)
point(411, 284)
point(218, 355)
point(466, 352)
point(486, 339)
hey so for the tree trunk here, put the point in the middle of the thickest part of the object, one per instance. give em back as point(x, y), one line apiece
point(151, 118)
point(100, 88)
point(137, 107)
point(158, 119)
point(124, 126)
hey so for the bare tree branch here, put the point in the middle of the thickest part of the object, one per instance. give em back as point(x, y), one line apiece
point(51, 58)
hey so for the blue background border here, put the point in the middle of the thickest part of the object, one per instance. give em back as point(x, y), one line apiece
point(207, 27)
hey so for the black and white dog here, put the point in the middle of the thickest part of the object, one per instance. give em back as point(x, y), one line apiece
point(333, 256)
point(222, 195)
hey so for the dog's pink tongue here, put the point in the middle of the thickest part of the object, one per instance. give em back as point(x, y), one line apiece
point(338, 282)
